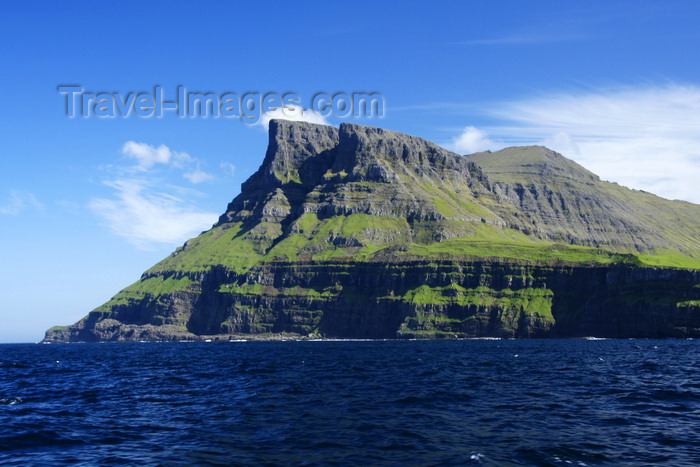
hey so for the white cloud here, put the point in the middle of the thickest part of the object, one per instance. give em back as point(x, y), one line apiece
point(642, 137)
point(144, 214)
point(472, 140)
point(148, 155)
point(19, 201)
point(198, 176)
point(294, 113)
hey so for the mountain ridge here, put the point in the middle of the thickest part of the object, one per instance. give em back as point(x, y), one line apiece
point(331, 208)
point(644, 216)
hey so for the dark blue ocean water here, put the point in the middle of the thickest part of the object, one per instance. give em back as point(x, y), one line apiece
point(538, 402)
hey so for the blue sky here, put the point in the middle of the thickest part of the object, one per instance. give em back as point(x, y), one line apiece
point(87, 204)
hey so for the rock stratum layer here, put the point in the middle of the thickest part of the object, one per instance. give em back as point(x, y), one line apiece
point(361, 232)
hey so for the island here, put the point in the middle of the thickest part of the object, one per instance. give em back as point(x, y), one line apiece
point(362, 232)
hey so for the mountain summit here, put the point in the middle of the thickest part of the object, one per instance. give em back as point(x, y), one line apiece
point(365, 232)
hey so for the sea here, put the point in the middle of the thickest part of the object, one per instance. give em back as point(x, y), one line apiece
point(452, 402)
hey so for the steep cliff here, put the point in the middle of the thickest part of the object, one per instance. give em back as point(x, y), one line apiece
point(365, 232)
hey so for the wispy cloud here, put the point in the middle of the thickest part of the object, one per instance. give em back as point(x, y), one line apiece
point(148, 204)
point(147, 155)
point(294, 113)
point(521, 39)
point(145, 213)
point(19, 201)
point(198, 176)
point(228, 168)
point(435, 107)
point(642, 137)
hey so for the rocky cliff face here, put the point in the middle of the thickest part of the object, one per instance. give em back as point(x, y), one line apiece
point(364, 232)
point(408, 299)
point(559, 200)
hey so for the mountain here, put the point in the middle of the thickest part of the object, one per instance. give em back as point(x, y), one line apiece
point(363, 232)
point(562, 201)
